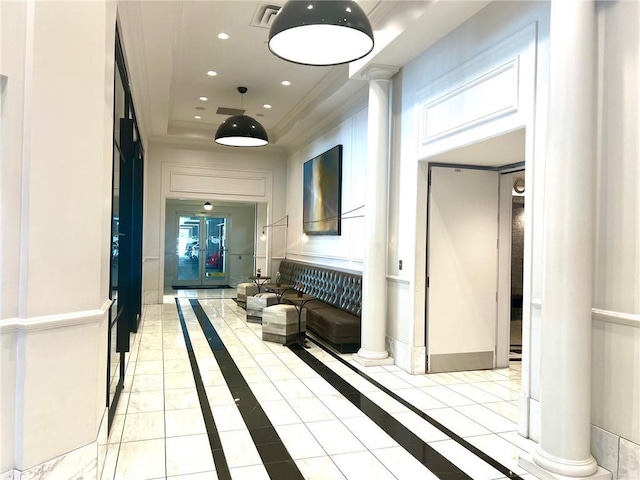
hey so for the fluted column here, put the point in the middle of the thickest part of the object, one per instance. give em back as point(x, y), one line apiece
point(374, 279)
point(565, 390)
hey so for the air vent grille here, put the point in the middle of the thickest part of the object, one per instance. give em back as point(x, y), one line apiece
point(264, 15)
point(230, 111)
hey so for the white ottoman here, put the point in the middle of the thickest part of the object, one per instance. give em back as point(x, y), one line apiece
point(280, 323)
point(258, 302)
point(244, 290)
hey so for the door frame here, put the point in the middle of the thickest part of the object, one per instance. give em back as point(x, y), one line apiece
point(464, 358)
point(506, 174)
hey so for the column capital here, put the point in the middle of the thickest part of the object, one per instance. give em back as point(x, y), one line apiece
point(379, 72)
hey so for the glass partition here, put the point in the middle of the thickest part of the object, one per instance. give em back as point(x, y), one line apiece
point(126, 232)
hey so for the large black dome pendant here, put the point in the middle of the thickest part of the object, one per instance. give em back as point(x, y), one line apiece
point(321, 32)
point(241, 131)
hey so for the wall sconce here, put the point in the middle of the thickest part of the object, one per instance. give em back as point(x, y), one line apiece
point(285, 219)
point(278, 223)
point(304, 238)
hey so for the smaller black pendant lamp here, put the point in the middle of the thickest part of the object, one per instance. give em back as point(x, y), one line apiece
point(241, 130)
point(321, 32)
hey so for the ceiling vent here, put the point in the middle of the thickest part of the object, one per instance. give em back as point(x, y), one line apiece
point(230, 111)
point(264, 15)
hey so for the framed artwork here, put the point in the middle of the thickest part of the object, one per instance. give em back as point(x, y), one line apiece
point(322, 196)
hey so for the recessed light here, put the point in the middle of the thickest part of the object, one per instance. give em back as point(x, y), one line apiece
point(223, 36)
point(211, 73)
point(266, 105)
point(204, 99)
point(197, 117)
point(286, 83)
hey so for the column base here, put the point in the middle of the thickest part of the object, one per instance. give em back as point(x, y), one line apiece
point(530, 466)
point(371, 359)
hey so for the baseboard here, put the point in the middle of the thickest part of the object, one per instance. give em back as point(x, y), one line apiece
point(79, 463)
point(457, 362)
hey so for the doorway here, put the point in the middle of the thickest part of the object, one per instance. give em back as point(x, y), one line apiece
point(469, 299)
point(517, 264)
point(200, 251)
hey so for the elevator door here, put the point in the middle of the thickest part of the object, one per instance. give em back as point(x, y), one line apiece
point(462, 269)
point(200, 252)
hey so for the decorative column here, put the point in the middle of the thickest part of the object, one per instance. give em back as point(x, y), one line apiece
point(374, 278)
point(565, 390)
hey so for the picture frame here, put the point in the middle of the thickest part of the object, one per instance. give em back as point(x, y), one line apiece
point(322, 193)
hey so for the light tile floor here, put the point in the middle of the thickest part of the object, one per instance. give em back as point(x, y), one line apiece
point(159, 431)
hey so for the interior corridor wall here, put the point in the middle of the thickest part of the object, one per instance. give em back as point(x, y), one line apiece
point(204, 172)
point(616, 327)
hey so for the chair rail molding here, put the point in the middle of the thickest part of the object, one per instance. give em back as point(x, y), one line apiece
point(620, 318)
point(60, 320)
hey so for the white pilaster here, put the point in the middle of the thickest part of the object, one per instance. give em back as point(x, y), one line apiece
point(58, 148)
point(374, 279)
point(564, 448)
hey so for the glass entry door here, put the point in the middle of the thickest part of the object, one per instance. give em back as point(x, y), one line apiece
point(201, 246)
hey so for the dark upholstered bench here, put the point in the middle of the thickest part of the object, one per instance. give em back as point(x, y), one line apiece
point(335, 316)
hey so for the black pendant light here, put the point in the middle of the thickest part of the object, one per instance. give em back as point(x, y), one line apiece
point(241, 130)
point(321, 32)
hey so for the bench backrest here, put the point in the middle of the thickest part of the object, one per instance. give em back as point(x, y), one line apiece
point(340, 289)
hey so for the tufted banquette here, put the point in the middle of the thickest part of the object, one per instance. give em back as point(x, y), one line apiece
point(335, 316)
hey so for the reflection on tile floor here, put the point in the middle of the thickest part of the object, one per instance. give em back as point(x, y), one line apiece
point(159, 431)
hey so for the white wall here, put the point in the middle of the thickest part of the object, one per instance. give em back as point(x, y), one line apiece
point(196, 172)
point(12, 58)
point(616, 339)
point(344, 250)
point(55, 293)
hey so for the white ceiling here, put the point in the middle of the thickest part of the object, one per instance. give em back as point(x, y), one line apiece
point(170, 45)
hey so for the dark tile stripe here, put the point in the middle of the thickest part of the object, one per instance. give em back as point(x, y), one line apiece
point(274, 455)
point(470, 447)
point(222, 468)
point(437, 464)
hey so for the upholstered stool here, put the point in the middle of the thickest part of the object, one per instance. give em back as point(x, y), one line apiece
point(244, 290)
point(258, 302)
point(280, 323)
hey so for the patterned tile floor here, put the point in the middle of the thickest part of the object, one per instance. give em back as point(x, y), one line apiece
point(320, 418)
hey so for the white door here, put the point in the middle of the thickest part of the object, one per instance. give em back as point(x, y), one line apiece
point(462, 269)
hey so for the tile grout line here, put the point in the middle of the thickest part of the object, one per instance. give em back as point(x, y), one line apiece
point(272, 382)
point(434, 461)
point(219, 458)
point(461, 441)
point(164, 406)
point(248, 405)
point(246, 348)
point(119, 444)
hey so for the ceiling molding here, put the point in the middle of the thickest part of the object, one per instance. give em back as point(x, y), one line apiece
point(210, 145)
point(132, 40)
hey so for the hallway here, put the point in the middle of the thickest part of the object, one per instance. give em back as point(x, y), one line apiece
point(174, 420)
